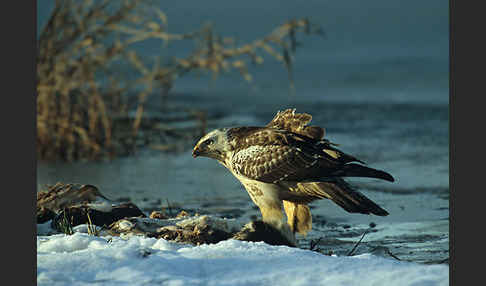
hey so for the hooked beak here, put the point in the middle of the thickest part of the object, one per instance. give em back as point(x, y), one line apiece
point(195, 152)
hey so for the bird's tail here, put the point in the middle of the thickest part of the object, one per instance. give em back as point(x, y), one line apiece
point(299, 217)
point(356, 170)
point(343, 195)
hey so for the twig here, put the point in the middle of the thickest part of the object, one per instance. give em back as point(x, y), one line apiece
point(392, 255)
point(314, 243)
point(169, 207)
point(356, 245)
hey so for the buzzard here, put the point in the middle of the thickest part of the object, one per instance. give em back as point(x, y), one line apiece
point(289, 164)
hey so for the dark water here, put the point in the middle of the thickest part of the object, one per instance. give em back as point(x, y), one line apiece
point(378, 83)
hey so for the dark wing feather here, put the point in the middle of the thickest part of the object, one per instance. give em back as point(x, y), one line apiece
point(338, 191)
point(343, 195)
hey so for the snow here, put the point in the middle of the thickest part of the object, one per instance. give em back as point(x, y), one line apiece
point(82, 259)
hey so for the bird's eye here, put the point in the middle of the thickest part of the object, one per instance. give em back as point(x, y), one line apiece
point(209, 142)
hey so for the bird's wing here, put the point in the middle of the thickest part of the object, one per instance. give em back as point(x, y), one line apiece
point(270, 155)
point(271, 163)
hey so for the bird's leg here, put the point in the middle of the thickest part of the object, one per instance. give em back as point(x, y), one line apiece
point(289, 208)
point(299, 217)
point(266, 197)
point(273, 216)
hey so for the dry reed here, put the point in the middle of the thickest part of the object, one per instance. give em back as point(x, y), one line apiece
point(84, 43)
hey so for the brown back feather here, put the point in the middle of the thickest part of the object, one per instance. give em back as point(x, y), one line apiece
point(296, 122)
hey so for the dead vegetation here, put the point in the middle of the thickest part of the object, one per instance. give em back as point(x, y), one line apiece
point(82, 95)
point(67, 206)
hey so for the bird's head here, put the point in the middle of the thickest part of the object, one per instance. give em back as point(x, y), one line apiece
point(213, 145)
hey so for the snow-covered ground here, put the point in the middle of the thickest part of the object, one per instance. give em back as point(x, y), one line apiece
point(81, 259)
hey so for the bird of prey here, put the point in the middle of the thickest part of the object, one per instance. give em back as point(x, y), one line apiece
point(289, 164)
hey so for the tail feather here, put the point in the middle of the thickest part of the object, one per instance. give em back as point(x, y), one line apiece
point(343, 195)
point(356, 170)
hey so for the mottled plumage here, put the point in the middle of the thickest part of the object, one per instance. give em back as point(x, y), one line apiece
point(288, 164)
